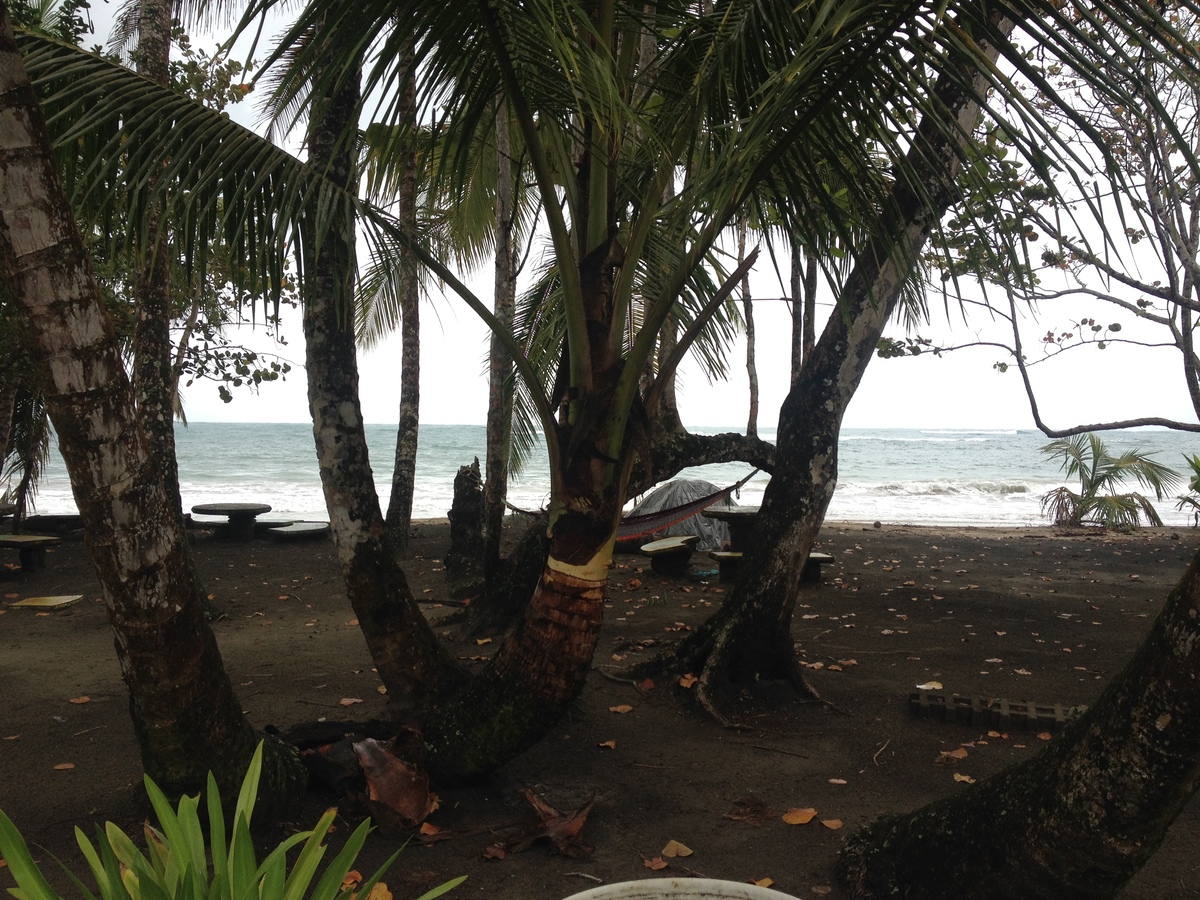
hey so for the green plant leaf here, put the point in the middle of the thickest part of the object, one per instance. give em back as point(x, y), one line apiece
point(310, 857)
point(443, 888)
point(25, 872)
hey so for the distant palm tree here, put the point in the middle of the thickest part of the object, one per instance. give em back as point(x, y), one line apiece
point(1100, 475)
point(1191, 500)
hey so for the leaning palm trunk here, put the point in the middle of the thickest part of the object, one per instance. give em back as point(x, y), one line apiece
point(749, 638)
point(1077, 820)
point(186, 715)
point(411, 663)
point(540, 668)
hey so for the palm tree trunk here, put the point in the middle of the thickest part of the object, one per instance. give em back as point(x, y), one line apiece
point(404, 473)
point(748, 315)
point(410, 661)
point(749, 638)
point(185, 713)
point(499, 415)
point(1079, 819)
point(542, 665)
point(154, 379)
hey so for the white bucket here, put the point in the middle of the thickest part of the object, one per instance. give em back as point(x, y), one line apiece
point(680, 889)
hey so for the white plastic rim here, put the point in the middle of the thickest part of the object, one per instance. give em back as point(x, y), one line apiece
point(680, 889)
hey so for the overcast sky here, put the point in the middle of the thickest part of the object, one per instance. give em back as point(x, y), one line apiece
point(961, 390)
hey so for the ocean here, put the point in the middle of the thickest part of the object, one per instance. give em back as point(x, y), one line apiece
point(899, 476)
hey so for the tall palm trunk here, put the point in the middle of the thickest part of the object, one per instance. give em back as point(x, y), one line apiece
point(154, 378)
point(404, 472)
point(1079, 819)
point(749, 638)
point(499, 415)
point(185, 713)
point(410, 661)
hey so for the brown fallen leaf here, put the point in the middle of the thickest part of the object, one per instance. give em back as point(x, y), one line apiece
point(352, 880)
point(494, 851)
point(764, 882)
point(349, 701)
point(428, 829)
point(832, 824)
point(686, 681)
point(646, 685)
point(611, 745)
point(754, 811)
point(393, 784)
point(798, 816)
point(64, 766)
point(964, 778)
point(623, 708)
point(479, 642)
point(84, 699)
point(1044, 736)
point(674, 849)
point(657, 864)
point(822, 889)
point(560, 827)
point(837, 780)
point(379, 892)
point(949, 757)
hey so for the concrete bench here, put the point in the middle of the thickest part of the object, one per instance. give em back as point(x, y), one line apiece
point(728, 561)
point(31, 547)
point(299, 531)
point(670, 556)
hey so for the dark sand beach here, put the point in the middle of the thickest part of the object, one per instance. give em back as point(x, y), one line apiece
point(1035, 615)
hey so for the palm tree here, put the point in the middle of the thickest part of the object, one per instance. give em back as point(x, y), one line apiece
point(1101, 475)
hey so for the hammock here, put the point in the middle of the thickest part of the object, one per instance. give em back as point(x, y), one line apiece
point(633, 527)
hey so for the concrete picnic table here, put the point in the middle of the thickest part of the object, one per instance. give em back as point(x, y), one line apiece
point(740, 520)
point(241, 516)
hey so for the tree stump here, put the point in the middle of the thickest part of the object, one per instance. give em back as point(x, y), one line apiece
point(464, 559)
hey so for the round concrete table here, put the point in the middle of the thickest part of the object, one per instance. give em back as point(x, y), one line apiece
point(740, 520)
point(241, 516)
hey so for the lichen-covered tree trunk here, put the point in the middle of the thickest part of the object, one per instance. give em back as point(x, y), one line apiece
point(1079, 819)
point(499, 414)
point(749, 638)
point(404, 472)
point(154, 379)
point(410, 661)
point(185, 713)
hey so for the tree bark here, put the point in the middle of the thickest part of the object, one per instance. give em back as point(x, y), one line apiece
point(1079, 819)
point(154, 377)
point(411, 663)
point(749, 638)
point(499, 415)
point(404, 473)
point(185, 712)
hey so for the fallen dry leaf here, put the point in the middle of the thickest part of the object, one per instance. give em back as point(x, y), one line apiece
point(821, 889)
point(379, 892)
point(656, 864)
point(930, 686)
point(1022, 671)
point(674, 849)
point(349, 701)
point(798, 816)
point(64, 766)
point(754, 811)
point(481, 641)
point(84, 699)
point(686, 681)
point(381, 689)
point(1044, 736)
point(494, 851)
point(611, 745)
point(394, 784)
point(352, 880)
point(837, 780)
point(965, 778)
point(764, 882)
point(561, 827)
point(949, 757)
point(352, 622)
point(429, 829)
point(832, 824)
point(623, 708)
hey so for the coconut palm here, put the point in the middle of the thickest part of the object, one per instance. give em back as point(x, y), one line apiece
point(1101, 475)
point(647, 129)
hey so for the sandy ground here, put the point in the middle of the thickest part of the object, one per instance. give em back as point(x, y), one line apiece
point(1024, 615)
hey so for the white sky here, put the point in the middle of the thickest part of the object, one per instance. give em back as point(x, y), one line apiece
point(960, 390)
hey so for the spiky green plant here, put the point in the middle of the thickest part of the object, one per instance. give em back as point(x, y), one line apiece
point(1191, 500)
point(1099, 500)
point(178, 865)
